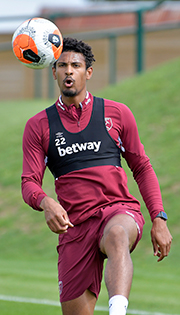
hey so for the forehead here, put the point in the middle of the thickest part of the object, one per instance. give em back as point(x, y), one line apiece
point(71, 57)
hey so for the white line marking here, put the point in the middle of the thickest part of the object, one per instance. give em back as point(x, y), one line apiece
point(28, 300)
point(55, 303)
point(137, 312)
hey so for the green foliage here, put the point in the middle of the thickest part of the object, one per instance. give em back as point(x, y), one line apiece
point(154, 99)
point(27, 246)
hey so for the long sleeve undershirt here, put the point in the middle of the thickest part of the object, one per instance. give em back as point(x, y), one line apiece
point(110, 183)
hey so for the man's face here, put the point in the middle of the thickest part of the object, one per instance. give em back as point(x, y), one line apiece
point(71, 73)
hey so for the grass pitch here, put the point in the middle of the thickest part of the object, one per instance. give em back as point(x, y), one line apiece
point(28, 255)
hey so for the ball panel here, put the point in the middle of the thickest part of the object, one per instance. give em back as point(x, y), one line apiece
point(57, 44)
point(23, 47)
point(30, 56)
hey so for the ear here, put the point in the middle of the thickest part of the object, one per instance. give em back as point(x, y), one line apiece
point(54, 73)
point(89, 73)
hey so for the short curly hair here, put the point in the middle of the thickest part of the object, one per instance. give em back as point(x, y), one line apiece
point(72, 44)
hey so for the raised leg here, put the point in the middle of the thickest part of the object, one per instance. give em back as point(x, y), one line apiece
point(83, 305)
point(119, 235)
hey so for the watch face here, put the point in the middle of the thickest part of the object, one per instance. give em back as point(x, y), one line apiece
point(162, 215)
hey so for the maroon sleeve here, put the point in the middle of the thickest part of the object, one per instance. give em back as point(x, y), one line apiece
point(139, 164)
point(34, 153)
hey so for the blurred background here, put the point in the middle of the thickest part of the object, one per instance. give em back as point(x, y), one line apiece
point(137, 50)
point(126, 36)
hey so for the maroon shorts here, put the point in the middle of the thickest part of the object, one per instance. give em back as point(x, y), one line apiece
point(80, 263)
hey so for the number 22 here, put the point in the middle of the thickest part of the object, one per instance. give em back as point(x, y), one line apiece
point(60, 141)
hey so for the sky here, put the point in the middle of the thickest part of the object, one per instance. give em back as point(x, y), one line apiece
point(11, 8)
point(32, 8)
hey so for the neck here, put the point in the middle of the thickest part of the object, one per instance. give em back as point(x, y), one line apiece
point(72, 100)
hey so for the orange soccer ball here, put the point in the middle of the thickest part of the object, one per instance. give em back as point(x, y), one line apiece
point(37, 43)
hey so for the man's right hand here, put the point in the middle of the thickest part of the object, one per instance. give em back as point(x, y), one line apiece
point(55, 215)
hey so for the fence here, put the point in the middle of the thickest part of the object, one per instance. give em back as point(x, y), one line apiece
point(111, 36)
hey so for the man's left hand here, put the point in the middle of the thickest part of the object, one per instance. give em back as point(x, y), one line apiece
point(161, 238)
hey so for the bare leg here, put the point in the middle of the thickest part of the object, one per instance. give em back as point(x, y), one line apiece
point(119, 235)
point(83, 305)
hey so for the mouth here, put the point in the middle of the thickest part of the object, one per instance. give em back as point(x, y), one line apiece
point(68, 82)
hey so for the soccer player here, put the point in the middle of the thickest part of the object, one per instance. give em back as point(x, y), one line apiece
point(81, 139)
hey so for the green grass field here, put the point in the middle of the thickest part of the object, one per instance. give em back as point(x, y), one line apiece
point(28, 258)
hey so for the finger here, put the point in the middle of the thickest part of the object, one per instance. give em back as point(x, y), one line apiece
point(66, 220)
point(158, 252)
point(161, 257)
point(163, 253)
point(169, 246)
point(70, 224)
point(61, 229)
point(155, 247)
point(63, 225)
point(56, 226)
point(168, 249)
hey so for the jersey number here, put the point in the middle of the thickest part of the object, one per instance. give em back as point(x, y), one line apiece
point(60, 141)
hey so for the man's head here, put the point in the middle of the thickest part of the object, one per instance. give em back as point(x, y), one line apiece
point(72, 44)
point(73, 69)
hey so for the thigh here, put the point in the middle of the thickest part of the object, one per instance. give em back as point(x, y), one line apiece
point(131, 219)
point(80, 262)
point(83, 305)
point(128, 227)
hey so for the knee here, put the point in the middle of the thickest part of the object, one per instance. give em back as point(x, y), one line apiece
point(115, 239)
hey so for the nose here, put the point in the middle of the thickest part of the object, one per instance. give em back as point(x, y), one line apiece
point(69, 70)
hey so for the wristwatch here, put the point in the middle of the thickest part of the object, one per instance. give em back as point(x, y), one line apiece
point(162, 215)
